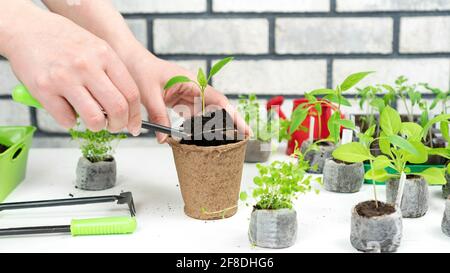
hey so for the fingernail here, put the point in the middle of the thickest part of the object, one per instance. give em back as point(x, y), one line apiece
point(162, 139)
point(136, 132)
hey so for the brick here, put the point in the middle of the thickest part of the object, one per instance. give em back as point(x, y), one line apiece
point(333, 35)
point(12, 113)
point(271, 76)
point(211, 36)
point(7, 79)
point(160, 6)
point(425, 34)
point(434, 71)
point(392, 5)
point(271, 6)
point(139, 29)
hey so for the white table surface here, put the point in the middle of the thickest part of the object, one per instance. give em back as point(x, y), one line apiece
point(324, 219)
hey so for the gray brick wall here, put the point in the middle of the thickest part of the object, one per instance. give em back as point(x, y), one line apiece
point(281, 46)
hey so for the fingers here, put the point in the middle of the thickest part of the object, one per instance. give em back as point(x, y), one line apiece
point(111, 100)
point(88, 109)
point(60, 110)
point(156, 108)
point(125, 84)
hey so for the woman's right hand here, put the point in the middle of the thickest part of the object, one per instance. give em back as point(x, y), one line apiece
point(69, 70)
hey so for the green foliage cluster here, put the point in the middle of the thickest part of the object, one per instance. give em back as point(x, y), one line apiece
point(264, 128)
point(96, 146)
point(400, 143)
point(202, 80)
point(280, 183)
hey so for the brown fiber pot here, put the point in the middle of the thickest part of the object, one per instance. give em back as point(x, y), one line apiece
point(210, 178)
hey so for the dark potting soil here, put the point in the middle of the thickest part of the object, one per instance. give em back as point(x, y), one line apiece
point(201, 126)
point(3, 148)
point(369, 209)
point(412, 176)
point(324, 144)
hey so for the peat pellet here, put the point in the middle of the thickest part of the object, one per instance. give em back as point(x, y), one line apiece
point(95, 176)
point(415, 196)
point(341, 177)
point(446, 220)
point(379, 230)
point(317, 159)
point(257, 151)
point(273, 228)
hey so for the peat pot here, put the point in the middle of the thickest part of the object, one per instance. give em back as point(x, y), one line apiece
point(415, 196)
point(258, 151)
point(446, 187)
point(96, 176)
point(376, 230)
point(341, 177)
point(209, 177)
point(446, 220)
point(317, 159)
point(273, 228)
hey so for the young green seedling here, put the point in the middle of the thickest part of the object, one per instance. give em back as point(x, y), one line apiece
point(264, 129)
point(439, 97)
point(96, 146)
point(202, 80)
point(400, 143)
point(330, 96)
point(280, 183)
point(370, 101)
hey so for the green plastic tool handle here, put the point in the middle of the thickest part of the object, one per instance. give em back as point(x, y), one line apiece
point(103, 226)
point(21, 95)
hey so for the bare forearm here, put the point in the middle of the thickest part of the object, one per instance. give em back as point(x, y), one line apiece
point(100, 18)
point(15, 19)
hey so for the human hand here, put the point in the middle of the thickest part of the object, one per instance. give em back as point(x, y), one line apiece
point(69, 70)
point(151, 74)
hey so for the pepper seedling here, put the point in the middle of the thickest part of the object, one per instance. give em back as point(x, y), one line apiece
point(202, 80)
point(371, 101)
point(96, 146)
point(280, 183)
point(400, 143)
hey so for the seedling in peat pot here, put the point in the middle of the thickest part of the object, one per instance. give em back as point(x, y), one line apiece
point(273, 221)
point(400, 143)
point(264, 129)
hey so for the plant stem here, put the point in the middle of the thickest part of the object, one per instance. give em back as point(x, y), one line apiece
point(410, 117)
point(374, 183)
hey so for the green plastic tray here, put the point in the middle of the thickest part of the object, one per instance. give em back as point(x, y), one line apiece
point(414, 168)
point(13, 161)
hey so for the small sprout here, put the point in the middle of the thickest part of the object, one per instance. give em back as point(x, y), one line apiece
point(202, 80)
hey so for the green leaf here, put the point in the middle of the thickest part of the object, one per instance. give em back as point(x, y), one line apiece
point(444, 152)
point(337, 99)
point(352, 152)
point(385, 146)
point(434, 176)
point(422, 156)
point(346, 124)
point(430, 123)
point(403, 144)
point(201, 78)
point(411, 130)
point(176, 80)
point(390, 121)
point(380, 175)
point(444, 130)
point(333, 127)
point(378, 103)
point(322, 91)
point(353, 79)
point(243, 196)
point(218, 66)
point(381, 162)
point(298, 116)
